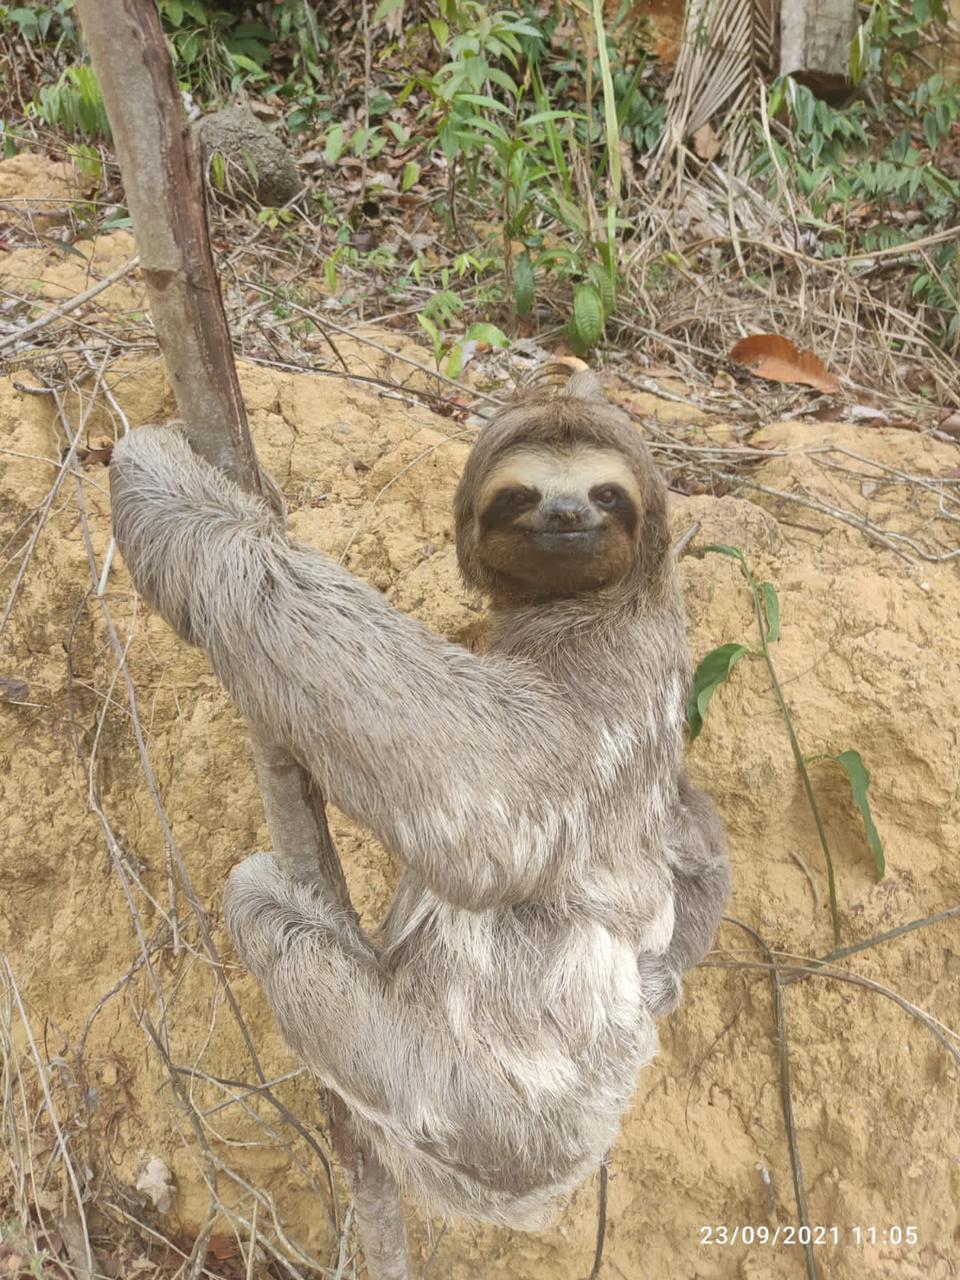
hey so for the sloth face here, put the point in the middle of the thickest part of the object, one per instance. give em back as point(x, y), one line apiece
point(559, 522)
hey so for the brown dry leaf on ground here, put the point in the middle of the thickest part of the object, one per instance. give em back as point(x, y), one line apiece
point(767, 355)
point(705, 142)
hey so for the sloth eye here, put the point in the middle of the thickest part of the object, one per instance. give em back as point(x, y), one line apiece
point(606, 496)
point(520, 498)
point(508, 504)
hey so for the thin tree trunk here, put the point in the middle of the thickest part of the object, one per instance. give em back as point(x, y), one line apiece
point(163, 183)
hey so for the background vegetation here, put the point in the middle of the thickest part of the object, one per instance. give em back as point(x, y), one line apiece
point(509, 166)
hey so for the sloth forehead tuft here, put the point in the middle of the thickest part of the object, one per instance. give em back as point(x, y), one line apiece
point(560, 471)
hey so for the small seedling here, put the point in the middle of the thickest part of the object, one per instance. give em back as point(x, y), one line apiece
point(716, 667)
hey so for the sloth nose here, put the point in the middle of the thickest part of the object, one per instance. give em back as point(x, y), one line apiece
point(565, 514)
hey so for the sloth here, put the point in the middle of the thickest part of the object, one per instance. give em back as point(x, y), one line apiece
point(561, 872)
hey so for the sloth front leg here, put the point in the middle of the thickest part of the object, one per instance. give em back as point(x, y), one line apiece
point(323, 980)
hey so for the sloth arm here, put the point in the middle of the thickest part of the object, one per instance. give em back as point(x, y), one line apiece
point(456, 762)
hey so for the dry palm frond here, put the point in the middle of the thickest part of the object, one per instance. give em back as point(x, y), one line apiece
point(725, 43)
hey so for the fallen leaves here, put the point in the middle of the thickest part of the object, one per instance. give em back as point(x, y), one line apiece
point(767, 355)
point(705, 142)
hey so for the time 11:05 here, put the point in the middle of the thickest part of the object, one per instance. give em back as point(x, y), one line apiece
point(884, 1235)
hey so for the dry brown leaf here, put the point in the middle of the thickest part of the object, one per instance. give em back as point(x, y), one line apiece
point(768, 355)
point(95, 457)
point(705, 142)
point(950, 422)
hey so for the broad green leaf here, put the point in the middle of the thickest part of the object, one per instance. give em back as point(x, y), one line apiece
point(710, 674)
point(482, 100)
point(771, 607)
point(859, 778)
point(588, 315)
point(441, 32)
point(488, 333)
point(523, 284)
point(570, 213)
point(605, 287)
point(25, 19)
point(334, 145)
point(384, 8)
point(410, 175)
point(496, 76)
point(218, 171)
point(247, 64)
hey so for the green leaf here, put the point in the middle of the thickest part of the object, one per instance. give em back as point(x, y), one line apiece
point(384, 8)
point(247, 64)
point(410, 175)
point(523, 284)
point(771, 607)
point(707, 679)
point(26, 20)
point(859, 778)
point(588, 315)
point(858, 55)
point(454, 365)
point(218, 171)
point(482, 100)
point(723, 550)
point(334, 145)
point(542, 117)
point(496, 76)
point(441, 32)
point(570, 213)
point(433, 333)
point(488, 333)
point(605, 287)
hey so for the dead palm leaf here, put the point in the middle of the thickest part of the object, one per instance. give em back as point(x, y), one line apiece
point(725, 44)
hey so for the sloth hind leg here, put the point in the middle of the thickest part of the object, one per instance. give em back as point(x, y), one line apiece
point(335, 1004)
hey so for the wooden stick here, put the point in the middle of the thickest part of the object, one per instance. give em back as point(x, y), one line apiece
point(163, 182)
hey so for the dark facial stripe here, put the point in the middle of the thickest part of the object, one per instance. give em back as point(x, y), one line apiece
point(615, 500)
point(507, 504)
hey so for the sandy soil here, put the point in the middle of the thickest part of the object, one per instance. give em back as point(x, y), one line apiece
point(868, 659)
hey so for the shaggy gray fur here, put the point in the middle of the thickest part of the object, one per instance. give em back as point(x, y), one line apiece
point(561, 873)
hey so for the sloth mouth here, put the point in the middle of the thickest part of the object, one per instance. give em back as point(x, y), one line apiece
point(568, 538)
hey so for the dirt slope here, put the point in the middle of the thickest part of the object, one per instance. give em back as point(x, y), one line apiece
point(868, 659)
